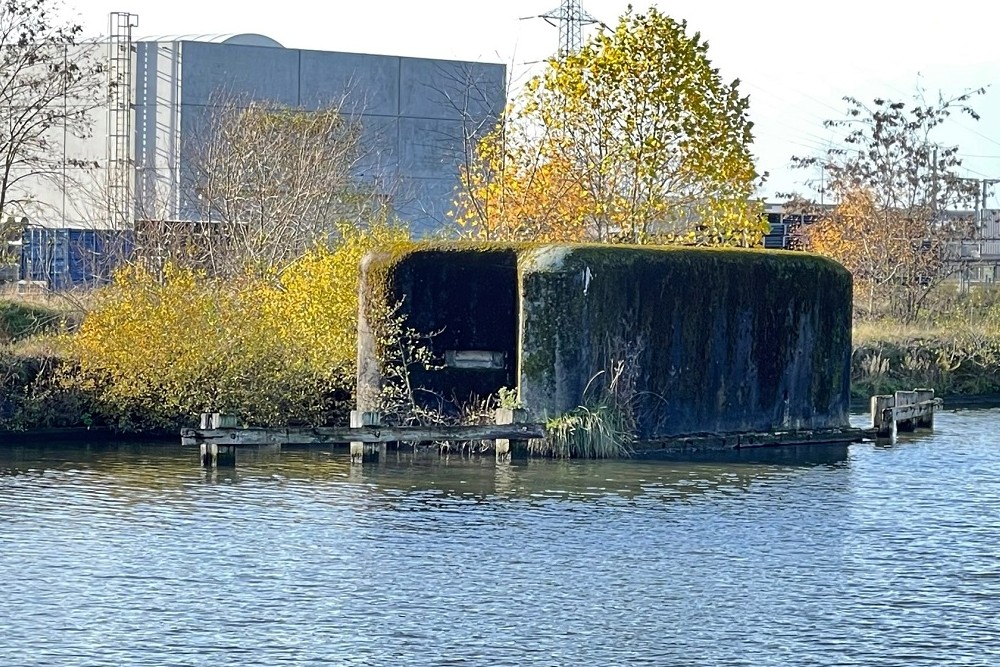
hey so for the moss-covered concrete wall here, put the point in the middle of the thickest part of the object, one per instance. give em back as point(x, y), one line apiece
point(702, 340)
point(464, 299)
point(709, 340)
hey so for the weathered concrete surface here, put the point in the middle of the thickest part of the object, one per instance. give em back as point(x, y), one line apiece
point(701, 341)
point(465, 301)
point(710, 341)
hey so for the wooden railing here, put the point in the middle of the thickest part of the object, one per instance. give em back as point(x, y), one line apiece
point(903, 411)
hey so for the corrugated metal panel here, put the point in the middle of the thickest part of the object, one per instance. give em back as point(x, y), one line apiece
point(66, 258)
point(990, 229)
point(991, 249)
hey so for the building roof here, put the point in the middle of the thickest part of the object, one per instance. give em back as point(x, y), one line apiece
point(243, 39)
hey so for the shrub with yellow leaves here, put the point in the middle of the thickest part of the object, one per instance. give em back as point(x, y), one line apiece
point(158, 349)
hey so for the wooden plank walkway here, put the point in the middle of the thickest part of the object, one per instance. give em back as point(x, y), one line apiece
point(369, 434)
point(219, 436)
point(734, 441)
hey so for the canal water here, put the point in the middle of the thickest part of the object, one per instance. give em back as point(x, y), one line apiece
point(868, 555)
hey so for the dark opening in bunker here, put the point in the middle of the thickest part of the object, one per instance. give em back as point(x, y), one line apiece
point(468, 301)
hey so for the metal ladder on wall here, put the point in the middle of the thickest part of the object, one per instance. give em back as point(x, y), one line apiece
point(120, 161)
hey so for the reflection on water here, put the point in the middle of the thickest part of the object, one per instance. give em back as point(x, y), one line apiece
point(127, 554)
point(126, 467)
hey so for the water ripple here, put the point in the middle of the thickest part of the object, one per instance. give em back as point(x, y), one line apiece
point(126, 555)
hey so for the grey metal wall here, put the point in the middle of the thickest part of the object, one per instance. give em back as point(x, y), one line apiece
point(71, 194)
point(416, 114)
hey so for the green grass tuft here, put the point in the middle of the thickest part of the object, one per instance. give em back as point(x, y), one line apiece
point(21, 320)
point(600, 432)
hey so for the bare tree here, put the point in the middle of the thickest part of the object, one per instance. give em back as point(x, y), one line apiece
point(271, 181)
point(49, 84)
point(470, 102)
point(897, 221)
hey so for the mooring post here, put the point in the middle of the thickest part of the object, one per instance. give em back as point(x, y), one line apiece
point(365, 452)
point(214, 455)
point(904, 398)
point(504, 446)
point(926, 396)
point(880, 404)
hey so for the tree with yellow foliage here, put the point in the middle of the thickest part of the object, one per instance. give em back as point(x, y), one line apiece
point(635, 138)
point(508, 198)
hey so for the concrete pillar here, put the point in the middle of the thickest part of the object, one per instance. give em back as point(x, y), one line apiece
point(506, 448)
point(923, 396)
point(366, 452)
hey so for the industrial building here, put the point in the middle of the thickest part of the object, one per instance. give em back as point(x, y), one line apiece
point(417, 117)
point(976, 260)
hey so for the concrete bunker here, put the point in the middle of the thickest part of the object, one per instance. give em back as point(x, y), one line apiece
point(710, 341)
point(464, 303)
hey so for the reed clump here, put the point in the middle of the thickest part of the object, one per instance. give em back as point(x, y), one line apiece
point(598, 432)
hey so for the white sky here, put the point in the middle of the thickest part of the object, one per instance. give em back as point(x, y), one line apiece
point(796, 59)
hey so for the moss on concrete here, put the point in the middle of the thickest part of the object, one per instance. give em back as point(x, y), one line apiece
point(718, 340)
point(724, 340)
point(464, 298)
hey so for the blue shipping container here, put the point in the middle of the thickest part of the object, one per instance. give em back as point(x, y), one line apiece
point(66, 258)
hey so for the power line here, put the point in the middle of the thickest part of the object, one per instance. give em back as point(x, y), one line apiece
point(951, 119)
point(973, 171)
point(788, 103)
point(977, 132)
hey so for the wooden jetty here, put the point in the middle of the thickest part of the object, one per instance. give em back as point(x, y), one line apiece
point(903, 411)
point(722, 442)
point(220, 437)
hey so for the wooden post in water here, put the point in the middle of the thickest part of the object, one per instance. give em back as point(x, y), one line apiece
point(366, 452)
point(904, 398)
point(884, 427)
point(504, 447)
point(214, 455)
point(924, 395)
point(223, 420)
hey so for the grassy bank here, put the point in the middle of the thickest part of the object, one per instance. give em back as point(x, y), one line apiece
point(154, 351)
point(954, 359)
point(33, 365)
